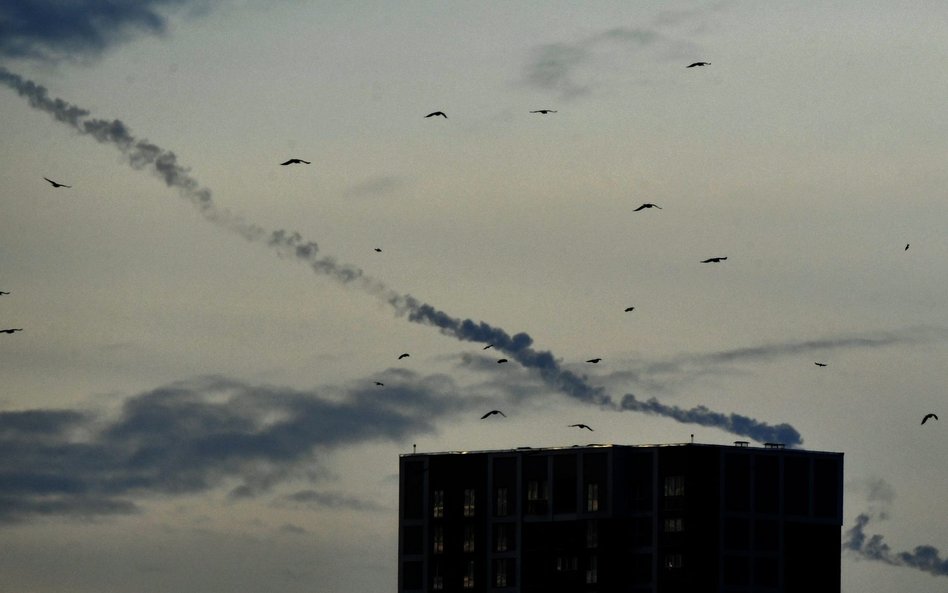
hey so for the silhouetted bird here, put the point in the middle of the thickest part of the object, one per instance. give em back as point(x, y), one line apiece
point(3, 293)
point(594, 360)
point(492, 412)
point(401, 356)
point(501, 361)
point(434, 113)
point(10, 331)
point(627, 309)
point(543, 111)
point(713, 260)
point(820, 364)
point(698, 64)
point(906, 247)
point(378, 249)
point(380, 384)
point(927, 416)
point(487, 346)
point(581, 426)
point(296, 162)
point(644, 206)
point(54, 183)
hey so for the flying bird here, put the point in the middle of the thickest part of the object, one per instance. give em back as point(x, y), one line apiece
point(692, 65)
point(10, 331)
point(543, 111)
point(906, 247)
point(3, 293)
point(487, 346)
point(627, 309)
point(927, 416)
point(380, 384)
point(54, 183)
point(594, 360)
point(296, 162)
point(820, 364)
point(581, 426)
point(492, 412)
point(713, 260)
point(378, 249)
point(501, 361)
point(401, 356)
point(434, 113)
point(644, 206)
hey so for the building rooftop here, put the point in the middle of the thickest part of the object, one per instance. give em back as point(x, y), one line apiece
point(735, 444)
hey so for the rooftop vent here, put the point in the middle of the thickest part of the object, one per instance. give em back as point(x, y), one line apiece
point(741, 443)
point(774, 445)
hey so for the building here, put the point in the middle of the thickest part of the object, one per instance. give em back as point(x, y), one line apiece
point(603, 518)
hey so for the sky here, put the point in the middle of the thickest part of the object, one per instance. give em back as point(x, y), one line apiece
point(192, 403)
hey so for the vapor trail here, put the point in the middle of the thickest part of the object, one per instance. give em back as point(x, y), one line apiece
point(924, 558)
point(141, 154)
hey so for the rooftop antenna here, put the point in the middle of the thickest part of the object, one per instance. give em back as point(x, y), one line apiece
point(692, 439)
point(414, 448)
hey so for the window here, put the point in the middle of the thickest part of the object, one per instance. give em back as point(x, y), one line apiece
point(536, 496)
point(438, 504)
point(469, 502)
point(566, 563)
point(675, 486)
point(592, 571)
point(500, 572)
point(438, 539)
point(501, 543)
point(592, 534)
point(468, 582)
point(468, 538)
point(592, 497)
point(437, 579)
point(673, 525)
point(501, 508)
point(674, 561)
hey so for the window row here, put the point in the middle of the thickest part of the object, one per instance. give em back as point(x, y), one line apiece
point(537, 500)
point(504, 538)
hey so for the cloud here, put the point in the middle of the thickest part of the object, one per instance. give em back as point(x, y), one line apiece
point(196, 435)
point(925, 558)
point(54, 30)
point(377, 185)
point(141, 154)
point(332, 500)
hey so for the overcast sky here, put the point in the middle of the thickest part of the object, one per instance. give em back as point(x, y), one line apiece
point(192, 403)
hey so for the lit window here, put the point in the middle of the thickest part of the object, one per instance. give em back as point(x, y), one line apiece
point(438, 547)
point(501, 538)
point(675, 486)
point(673, 561)
point(592, 534)
point(468, 582)
point(592, 497)
point(674, 525)
point(501, 502)
point(438, 504)
point(566, 563)
point(536, 496)
point(468, 538)
point(469, 502)
point(437, 580)
point(500, 572)
point(592, 571)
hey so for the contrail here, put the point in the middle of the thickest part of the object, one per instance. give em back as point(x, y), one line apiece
point(141, 154)
point(925, 558)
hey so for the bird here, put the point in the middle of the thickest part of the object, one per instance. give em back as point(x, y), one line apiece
point(582, 426)
point(3, 293)
point(54, 183)
point(380, 384)
point(492, 412)
point(713, 260)
point(644, 206)
point(692, 65)
point(627, 309)
point(434, 113)
point(820, 364)
point(401, 356)
point(543, 111)
point(906, 247)
point(295, 162)
point(487, 346)
point(10, 331)
point(594, 360)
point(927, 416)
point(501, 361)
point(378, 250)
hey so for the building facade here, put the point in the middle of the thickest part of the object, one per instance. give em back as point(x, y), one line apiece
point(608, 518)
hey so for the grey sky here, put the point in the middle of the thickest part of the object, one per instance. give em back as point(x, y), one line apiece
point(227, 394)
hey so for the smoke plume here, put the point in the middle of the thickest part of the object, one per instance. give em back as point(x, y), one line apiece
point(925, 558)
point(141, 154)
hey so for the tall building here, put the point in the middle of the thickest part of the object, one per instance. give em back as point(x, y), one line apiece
point(601, 518)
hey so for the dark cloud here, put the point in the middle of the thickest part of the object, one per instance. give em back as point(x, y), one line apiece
point(74, 29)
point(162, 162)
point(925, 558)
point(196, 435)
point(332, 500)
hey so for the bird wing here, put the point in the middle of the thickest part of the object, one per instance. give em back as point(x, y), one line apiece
point(642, 207)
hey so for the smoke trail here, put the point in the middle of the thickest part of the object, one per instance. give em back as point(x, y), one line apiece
point(141, 155)
point(924, 558)
point(734, 423)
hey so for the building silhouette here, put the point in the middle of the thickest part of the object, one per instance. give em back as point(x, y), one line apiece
point(601, 518)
